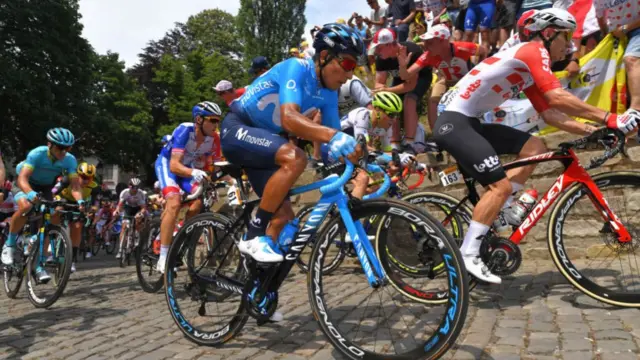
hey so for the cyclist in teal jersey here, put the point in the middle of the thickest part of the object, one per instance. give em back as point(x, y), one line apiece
point(281, 100)
point(37, 174)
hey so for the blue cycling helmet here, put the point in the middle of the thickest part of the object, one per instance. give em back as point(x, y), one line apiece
point(206, 108)
point(165, 139)
point(340, 39)
point(61, 136)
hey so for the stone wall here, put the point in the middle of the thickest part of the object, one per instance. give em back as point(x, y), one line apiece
point(583, 237)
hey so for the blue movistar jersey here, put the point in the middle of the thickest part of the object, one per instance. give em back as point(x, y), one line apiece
point(46, 168)
point(292, 81)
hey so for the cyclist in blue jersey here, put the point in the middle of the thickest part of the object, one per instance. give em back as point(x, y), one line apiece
point(37, 175)
point(281, 100)
point(192, 147)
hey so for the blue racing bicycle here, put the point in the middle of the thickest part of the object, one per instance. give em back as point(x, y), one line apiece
point(212, 296)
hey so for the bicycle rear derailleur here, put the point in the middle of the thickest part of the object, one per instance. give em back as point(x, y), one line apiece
point(501, 256)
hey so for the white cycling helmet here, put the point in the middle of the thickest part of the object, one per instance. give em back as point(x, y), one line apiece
point(135, 182)
point(551, 18)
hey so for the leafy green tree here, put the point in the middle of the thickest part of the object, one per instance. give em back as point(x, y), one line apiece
point(271, 27)
point(119, 132)
point(45, 71)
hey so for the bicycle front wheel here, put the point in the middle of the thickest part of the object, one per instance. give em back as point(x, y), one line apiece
point(584, 246)
point(366, 323)
point(205, 294)
point(58, 265)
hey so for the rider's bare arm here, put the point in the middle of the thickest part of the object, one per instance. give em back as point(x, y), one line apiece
point(176, 166)
point(406, 86)
point(76, 187)
point(560, 120)
point(23, 179)
point(413, 70)
point(564, 101)
point(381, 79)
point(296, 123)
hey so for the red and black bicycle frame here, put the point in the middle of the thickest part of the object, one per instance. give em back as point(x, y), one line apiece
point(573, 173)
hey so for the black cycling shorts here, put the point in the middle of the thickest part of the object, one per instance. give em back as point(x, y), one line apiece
point(476, 146)
point(131, 210)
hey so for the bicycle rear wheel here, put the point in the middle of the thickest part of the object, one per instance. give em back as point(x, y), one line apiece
point(344, 309)
point(584, 246)
point(205, 296)
point(43, 295)
point(146, 259)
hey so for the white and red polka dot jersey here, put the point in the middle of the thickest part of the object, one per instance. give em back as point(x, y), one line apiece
point(524, 67)
point(618, 12)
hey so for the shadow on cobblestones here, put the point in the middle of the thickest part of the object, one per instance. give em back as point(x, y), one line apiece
point(471, 352)
point(35, 330)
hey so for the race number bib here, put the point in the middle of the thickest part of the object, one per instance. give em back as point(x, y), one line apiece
point(450, 175)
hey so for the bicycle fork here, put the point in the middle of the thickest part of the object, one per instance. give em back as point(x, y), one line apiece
point(363, 247)
point(598, 200)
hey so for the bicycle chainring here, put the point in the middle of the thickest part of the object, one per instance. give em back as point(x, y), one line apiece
point(501, 256)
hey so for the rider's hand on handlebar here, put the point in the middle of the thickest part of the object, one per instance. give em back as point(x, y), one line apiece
point(626, 122)
point(198, 175)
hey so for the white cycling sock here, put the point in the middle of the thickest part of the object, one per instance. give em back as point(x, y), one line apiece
point(516, 187)
point(471, 243)
point(164, 250)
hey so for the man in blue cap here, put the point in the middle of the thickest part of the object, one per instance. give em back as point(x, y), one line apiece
point(259, 66)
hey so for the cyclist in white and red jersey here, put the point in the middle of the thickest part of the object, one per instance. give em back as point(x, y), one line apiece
point(452, 60)
point(476, 146)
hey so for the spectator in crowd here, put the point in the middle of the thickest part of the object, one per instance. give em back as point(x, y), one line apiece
point(533, 5)
point(402, 13)
point(451, 60)
point(378, 16)
point(505, 19)
point(587, 32)
point(225, 90)
point(294, 53)
point(621, 18)
point(387, 48)
point(259, 66)
point(458, 33)
point(307, 51)
point(437, 8)
point(359, 26)
point(480, 15)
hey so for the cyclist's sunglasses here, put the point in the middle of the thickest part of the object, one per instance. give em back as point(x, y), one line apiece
point(62, 148)
point(213, 119)
point(392, 115)
point(347, 64)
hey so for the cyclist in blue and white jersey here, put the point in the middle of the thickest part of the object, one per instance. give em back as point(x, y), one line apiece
point(38, 174)
point(281, 100)
point(192, 148)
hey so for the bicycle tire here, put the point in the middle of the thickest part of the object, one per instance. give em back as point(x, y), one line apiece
point(180, 245)
point(112, 245)
point(560, 256)
point(145, 254)
point(62, 275)
point(124, 245)
point(342, 252)
point(12, 291)
point(97, 245)
point(453, 321)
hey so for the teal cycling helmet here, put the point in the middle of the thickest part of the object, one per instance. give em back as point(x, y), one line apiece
point(61, 136)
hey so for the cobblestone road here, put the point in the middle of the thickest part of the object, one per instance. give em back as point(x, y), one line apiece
point(104, 314)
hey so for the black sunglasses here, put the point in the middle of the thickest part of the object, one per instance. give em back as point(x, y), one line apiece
point(62, 148)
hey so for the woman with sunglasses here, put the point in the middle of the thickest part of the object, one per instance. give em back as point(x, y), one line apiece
point(282, 100)
point(179, 167)
point(37, 175)
point(86, 173)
